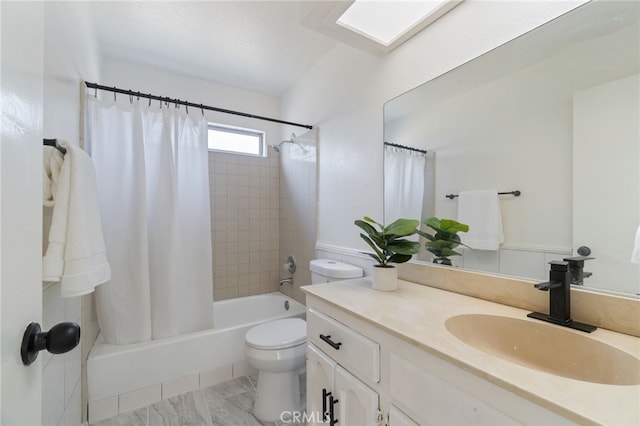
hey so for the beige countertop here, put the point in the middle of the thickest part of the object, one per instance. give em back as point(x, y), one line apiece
point(417, 314)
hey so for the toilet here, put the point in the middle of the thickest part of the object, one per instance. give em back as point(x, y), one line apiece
point(277, 349)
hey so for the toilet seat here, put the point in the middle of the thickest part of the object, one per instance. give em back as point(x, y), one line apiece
point(278, 334)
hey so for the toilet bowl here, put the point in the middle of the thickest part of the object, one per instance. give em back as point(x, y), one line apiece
point(277, 349)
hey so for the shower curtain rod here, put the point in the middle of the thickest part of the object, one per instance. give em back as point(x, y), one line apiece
point(395, 145)
point(189, 104)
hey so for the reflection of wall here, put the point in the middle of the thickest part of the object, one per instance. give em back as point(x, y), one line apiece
point(345, 91)
point(607, 180)
point(483, 140)
point(298, 209)
point(517, 132)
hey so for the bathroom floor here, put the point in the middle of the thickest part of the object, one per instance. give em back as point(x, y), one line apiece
point(226, 404)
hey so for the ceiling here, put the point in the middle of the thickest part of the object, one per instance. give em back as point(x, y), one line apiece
point(255, 45)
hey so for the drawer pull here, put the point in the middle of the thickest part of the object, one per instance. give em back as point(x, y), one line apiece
point(327, 339)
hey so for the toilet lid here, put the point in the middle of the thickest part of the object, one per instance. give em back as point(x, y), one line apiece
point(278, 334)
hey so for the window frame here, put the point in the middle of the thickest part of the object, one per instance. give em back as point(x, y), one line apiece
point(260, 134)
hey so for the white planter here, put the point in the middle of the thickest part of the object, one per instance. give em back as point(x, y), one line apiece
point(384, 279)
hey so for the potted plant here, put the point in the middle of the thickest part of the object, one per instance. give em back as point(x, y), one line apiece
point(445, 239)
point(389, 246)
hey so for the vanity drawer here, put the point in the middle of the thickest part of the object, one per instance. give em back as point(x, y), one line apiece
point(346, 346)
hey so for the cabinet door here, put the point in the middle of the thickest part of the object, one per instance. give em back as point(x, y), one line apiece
point(320, 370)
point(357, 404)
point(398, 418)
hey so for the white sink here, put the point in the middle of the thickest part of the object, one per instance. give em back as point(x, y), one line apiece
point(546, 347)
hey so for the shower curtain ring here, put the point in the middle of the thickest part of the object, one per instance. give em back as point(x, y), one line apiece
point(202, 109)
point(114, 93)
point(130, 98)
point(95, 92)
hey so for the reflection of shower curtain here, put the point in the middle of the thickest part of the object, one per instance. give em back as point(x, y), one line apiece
point(153, 186)
point(403, 184)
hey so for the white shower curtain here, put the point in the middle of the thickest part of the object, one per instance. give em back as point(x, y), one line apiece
point(403, 184)
point(153, 186)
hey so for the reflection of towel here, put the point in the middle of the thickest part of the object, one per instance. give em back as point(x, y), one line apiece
point(52, 166)
point(481, 211)
point(635, 256)
point(76, 254)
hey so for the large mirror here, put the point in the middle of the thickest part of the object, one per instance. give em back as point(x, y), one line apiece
point(554, 114)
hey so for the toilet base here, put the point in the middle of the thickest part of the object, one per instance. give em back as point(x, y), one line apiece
point(276, 394)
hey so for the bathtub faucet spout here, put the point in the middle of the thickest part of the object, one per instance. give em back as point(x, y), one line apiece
point(286, 281)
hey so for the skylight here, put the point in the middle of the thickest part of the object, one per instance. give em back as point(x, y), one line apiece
point(386, 21)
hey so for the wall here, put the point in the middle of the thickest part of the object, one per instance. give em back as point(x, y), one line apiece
point(245, 223)
point(70, 54)
point(345, 92)
point(298, 210)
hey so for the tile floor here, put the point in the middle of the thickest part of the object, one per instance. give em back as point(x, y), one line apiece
point(226, 404)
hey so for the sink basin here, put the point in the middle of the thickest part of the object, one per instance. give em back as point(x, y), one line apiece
point(547, 348)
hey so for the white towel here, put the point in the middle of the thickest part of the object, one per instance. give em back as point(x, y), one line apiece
point(52, 164)
point(76, 253)
point(481, 211)
point(635, 256)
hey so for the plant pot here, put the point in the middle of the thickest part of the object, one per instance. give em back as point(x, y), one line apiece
point(384, 278)
point(443, 261)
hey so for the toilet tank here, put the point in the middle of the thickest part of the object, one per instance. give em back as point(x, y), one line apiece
point(327, 270)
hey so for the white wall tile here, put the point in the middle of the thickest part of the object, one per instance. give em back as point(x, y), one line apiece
point(180, 386)
point(73, 411)
point(243, 368)
point(139, 398)
point(213, 377)
point(53, 402)
point(103, 409)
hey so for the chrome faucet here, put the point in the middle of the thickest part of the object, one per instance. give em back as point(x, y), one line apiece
point(286, 281)
point(559, 288)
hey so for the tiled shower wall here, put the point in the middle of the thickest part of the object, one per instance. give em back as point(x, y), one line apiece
point(298, 182)
point(244, 223)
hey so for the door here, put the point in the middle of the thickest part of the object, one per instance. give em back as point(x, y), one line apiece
point(605, 125)
point(357, 403)
point(21, 87)
point(320, 370)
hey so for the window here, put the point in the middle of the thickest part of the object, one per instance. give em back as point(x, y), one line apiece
point(236, 140)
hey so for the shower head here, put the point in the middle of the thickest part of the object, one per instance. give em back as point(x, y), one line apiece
point(276, 148)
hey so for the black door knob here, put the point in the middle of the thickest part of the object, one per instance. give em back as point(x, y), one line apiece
point(60, 339)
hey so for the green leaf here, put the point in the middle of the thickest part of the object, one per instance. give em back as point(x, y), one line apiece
point(432, 222)
point(404, 247)
point(368, 219)
point(380, 257)
point(400, 258)
point(451, 225)
point(402, 227)
point(366, 227)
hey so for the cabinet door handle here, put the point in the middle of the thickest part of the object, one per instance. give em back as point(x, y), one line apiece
point(327, 339)
point(332, 402)
point(325, 413)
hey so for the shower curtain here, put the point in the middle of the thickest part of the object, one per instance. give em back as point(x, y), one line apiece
point(153, 187)
point(403, 184)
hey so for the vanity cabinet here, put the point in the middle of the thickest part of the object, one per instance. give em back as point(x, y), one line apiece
point(379, 378)
point(334, 394)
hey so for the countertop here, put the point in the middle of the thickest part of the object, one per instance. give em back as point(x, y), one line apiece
point(417, 314)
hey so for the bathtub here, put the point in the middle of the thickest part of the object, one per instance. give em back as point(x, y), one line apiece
point(126, 377)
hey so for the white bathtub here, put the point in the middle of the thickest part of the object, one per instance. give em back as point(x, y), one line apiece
point(124, 375)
